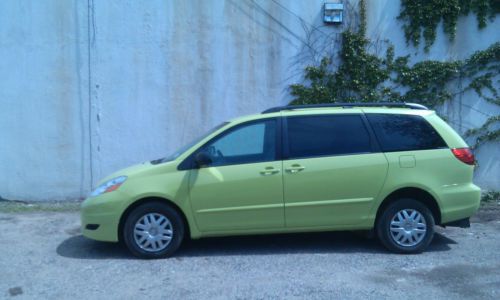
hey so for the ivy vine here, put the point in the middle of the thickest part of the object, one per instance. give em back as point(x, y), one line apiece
point(362, 76)
point(422, 17)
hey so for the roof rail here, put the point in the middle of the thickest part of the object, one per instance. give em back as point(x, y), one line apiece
point(347, 105)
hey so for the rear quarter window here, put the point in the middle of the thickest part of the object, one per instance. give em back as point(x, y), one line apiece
point(404, 132)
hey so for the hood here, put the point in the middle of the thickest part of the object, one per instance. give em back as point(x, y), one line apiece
point(144, 168)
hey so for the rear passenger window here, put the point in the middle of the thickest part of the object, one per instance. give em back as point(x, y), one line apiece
point(404, 132)
point(310, 136)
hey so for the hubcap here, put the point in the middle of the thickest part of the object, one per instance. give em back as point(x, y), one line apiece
point(153, 232)
point(408, 227)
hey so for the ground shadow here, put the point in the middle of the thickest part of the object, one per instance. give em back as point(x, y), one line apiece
point(312, 243)
point(80, 247)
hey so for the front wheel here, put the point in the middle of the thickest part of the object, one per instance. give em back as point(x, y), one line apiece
point(153, 230)
point(406, 226)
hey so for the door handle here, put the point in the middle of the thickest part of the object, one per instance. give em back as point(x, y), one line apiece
point(295, 168)
point(269, 171)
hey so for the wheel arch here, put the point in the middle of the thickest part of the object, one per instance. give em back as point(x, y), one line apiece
point(137, 203)
point(415, 193)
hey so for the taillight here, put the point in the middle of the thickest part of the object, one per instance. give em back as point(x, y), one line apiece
point(465, 155)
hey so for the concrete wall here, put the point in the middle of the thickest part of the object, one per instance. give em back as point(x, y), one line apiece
point(43, 100)
point(89, 87)
point(92, 86)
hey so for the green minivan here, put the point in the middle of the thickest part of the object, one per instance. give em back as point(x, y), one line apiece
point(394, 168)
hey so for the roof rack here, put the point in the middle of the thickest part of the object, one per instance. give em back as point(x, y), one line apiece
point(347, 105)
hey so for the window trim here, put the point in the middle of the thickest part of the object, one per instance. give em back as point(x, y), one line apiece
point(374, 146)
point(188, 162)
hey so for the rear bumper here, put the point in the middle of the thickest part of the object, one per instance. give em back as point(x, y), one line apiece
point(459, 202)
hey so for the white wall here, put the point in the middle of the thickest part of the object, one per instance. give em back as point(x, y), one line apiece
point(43, 96)
point(89, 87)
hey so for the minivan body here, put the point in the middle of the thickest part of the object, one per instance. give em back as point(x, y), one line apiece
point(295, 170)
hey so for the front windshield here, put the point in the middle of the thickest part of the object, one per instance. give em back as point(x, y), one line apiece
point(184, 148)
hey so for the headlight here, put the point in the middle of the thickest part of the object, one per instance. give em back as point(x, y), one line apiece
point(109, 186)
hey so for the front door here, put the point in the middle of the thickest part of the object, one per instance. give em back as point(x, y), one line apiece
point(242, 188)
point(332, 174)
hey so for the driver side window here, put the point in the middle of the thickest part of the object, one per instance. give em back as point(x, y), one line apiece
point(252, 143)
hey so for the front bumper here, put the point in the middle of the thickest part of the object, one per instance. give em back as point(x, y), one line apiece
point(100, 217)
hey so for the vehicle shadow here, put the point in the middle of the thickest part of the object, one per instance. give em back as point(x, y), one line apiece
point(297, 243)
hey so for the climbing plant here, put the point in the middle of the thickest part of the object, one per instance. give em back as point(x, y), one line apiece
point(357, 78)
point(361, 76)
point(422, 17)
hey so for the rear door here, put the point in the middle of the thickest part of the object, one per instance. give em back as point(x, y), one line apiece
point(332, 170)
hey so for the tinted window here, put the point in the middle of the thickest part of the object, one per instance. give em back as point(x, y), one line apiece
point(404, 132)
point(311, 136)
point(255, 142)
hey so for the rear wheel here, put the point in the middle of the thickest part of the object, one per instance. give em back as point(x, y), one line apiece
point(406, 226)
point(153, 230)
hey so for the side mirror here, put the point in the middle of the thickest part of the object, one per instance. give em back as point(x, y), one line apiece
point(202, 159)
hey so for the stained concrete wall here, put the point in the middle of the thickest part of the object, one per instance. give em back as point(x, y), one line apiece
point(89, 87)
point(43, 96)
point(92, 86)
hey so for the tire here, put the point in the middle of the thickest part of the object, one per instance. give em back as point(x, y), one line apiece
point(412, 230)
point(153, 230)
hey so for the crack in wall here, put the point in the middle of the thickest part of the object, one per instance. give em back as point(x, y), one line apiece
point(82, 116)
point(90, 42)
